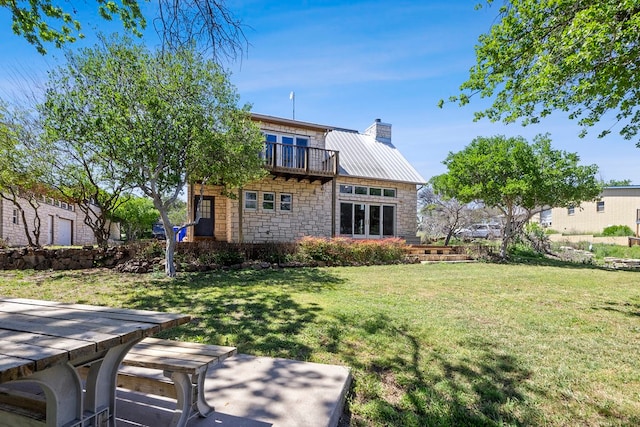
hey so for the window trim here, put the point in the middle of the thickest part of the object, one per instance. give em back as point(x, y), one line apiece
point(358, 189)
point(284, 203)
point(247, 200)
point(272, 201)
point(366, 190)
point(346, 189)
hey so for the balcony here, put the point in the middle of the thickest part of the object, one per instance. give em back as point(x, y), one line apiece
point(299, 163)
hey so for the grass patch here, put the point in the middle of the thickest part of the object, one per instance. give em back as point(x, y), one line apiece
point(430, 345)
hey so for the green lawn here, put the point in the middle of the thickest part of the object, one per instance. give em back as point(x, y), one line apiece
point(430, 345)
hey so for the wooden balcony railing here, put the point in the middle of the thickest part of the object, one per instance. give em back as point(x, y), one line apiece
point(300, 163)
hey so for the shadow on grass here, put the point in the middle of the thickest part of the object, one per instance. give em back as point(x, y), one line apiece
point(413, 385)
point(251, 310)
point(627, 309)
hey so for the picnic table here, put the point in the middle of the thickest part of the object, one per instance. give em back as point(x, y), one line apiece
point(44, 342)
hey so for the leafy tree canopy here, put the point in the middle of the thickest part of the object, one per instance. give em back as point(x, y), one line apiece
point(136, 216)
point(24, 167)
point(517, 178)
point(41, 21)
point(179, 23)
point(157, 120)
point(576, 56)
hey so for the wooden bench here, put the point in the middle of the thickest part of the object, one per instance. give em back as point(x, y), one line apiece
point(21, 407)
point(184, 366)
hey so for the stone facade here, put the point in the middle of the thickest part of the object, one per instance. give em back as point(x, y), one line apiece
point(309, 214)
point(61, 224)
point(288, 205)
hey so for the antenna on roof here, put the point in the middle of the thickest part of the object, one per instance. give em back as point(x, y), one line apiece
point(292, 97)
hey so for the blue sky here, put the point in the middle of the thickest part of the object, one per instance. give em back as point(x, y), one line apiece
point(352, 63)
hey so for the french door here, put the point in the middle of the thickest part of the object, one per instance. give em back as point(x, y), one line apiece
point(365, 220)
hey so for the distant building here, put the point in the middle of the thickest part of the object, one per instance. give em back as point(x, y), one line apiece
point(62, 224)
point(615, 206)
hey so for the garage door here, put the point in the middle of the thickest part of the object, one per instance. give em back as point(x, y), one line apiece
point(63, 237)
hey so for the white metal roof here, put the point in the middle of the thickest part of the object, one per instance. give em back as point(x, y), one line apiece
point(362, 156)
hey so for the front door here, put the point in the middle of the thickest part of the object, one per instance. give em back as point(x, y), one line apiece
point(204, 227)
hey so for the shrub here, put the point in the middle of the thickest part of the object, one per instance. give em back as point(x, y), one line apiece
point(618, 230)
point(228, 257)
point(344, 251)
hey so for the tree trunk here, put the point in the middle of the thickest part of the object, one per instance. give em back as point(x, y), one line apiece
point(170, 267)
point(170, 239)
point(448, 238)
point(507, 233)
point(32, 200)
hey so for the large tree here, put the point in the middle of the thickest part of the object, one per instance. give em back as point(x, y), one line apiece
point(517, 178)
point(178, 23)
point(579, 57)
point(83, 175)
point(160, 119)
point(24, 167)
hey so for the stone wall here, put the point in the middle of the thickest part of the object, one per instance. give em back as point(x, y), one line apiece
point(577, 238)
point(62, 259)
point(310, 213)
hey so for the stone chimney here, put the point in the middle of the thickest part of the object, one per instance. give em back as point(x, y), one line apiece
point(380, 131)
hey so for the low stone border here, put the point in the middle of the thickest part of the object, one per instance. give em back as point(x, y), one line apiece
point(62, 259)
point(621, 263)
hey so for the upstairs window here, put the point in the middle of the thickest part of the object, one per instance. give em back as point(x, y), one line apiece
point(291, 153)
point(600, 206)
point(16, 217)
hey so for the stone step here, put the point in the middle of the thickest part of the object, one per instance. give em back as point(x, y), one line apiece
point(441, 258)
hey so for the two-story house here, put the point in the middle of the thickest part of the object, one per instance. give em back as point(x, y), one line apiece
point(323, 181)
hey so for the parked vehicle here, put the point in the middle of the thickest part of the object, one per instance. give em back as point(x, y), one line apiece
point(480, 231)
point(157, 231)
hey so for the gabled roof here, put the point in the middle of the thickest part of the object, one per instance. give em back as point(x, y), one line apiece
point(364, 157)
point(289, 122)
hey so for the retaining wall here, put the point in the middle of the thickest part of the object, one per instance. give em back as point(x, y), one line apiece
point(62, 259)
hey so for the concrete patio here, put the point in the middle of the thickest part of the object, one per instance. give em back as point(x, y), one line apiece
point(249, 391)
